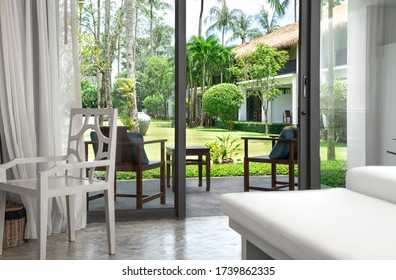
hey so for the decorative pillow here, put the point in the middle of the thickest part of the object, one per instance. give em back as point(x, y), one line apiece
point(133, 136)
point(281, 148)
point(94, 138)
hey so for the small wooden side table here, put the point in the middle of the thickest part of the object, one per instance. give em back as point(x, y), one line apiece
point(199, 152)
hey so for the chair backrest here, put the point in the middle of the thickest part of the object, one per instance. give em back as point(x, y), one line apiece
point(83, 120)
point(125, 153)
point(287, 113)
point(281, 149)
point(136, 136)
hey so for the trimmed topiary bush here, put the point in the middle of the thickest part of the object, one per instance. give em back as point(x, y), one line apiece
point(223, 101)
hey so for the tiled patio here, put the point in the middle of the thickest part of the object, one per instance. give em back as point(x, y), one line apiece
point(204, 235)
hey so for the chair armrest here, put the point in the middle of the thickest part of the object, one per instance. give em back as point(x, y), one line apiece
point(272, 138)
point(76, 166)
point(155, 141)
point(17, 161)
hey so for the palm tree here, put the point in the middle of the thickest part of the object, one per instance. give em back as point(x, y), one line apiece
point(242, 28)
point(268, 24)
point(162, 39)
point(155, 5)
point(207, 55)
point(281, 6)
point(221, 18)
point(200, 18)
point(130, 57)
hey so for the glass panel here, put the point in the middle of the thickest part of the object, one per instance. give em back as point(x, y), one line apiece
point(139, 59)
point(358, 54)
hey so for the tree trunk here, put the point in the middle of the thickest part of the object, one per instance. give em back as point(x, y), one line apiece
point(98, 90)
point(130, 58)
point(330, 83)
point(151, 27)
point(106, 78)
point(264, 103)
point(200, 19)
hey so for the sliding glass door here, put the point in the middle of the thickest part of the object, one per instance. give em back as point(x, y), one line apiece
point(354, 125)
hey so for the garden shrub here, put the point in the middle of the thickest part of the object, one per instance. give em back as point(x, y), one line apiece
point(223, 101)
point(259, 127)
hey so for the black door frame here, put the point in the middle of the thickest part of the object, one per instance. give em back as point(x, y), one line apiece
point(180, 110)
point(308, 95)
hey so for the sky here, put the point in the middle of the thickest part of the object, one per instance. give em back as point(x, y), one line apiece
point(249, 7)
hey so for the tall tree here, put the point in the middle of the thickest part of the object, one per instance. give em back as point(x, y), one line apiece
point(163, 39)
point(155, 5)
point(200, 18)
point(261, 67)
point(281, 6)
point(221, 18)
point(130, 58)
point(206, 55)
point(106, 75)
point(269, 24)
point(242, 28)
point(159, 80)
point(331, 155)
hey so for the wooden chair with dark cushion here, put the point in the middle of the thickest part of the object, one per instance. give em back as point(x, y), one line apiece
point(284, 151)
point(131, 156)
point(287, 116)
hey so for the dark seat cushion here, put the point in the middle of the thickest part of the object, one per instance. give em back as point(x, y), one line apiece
point(133, 136)
point(281, 149)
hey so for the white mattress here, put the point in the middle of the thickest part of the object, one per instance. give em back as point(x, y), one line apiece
point(318, 224)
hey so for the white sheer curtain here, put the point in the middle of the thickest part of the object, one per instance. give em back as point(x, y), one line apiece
point(39, 83)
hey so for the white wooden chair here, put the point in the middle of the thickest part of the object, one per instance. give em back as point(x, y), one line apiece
point(65, 176)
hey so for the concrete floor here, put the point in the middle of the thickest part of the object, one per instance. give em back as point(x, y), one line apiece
point(204, 235)
point(204, 238)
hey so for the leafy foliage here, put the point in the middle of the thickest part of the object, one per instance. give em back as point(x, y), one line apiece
point(223, 101)
point(122, 99)
point(332, 172)
point(89, 95)
point(153, 104)
point(339, 107)
point(260, 67)
point(224, 148)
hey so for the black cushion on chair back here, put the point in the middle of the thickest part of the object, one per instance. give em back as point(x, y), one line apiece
point(133, 136)
point(281, 149)
point(94, 138)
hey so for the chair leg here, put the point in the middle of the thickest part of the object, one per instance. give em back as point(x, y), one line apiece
point(207, 164)
point(168, 173)
point(246, 175)
point(200, 171)
point(71, 221)
point(2, 218)
point(110, 220)
point(291, 177)
point(139, 190)
point(162, 184)
point(273, 175)
point(42, 216)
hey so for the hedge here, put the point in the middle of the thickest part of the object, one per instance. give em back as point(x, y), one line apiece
point(332, 172)
point(259, 127)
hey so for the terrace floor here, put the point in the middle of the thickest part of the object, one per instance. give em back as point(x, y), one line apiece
point(203, 235)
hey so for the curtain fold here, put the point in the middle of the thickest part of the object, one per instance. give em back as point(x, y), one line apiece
point(39, 83)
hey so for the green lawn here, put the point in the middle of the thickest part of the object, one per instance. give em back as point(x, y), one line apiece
point(332, 172)
point(201, 136)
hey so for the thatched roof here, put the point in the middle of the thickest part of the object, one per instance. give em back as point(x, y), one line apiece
point(288, 35)
point(340, 17)
point(282, 38)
